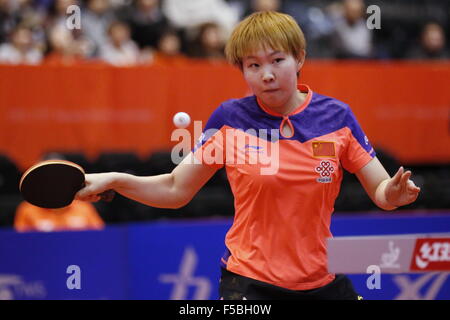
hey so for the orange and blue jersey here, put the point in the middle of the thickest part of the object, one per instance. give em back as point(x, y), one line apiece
point(282, 216)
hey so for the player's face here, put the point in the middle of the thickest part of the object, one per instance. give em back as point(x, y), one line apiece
point(272, 76)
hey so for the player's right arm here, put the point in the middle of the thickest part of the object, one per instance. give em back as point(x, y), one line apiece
point(171, 190)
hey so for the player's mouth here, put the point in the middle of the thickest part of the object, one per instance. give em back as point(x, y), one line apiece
point(270, 90)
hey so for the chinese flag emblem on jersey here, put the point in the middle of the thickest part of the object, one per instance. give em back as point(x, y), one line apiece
point(323, 149)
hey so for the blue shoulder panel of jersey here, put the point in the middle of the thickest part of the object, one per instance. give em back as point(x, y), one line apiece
point(326, 115)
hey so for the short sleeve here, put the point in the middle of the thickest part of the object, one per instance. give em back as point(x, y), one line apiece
point(209, 148)
point(358, 151)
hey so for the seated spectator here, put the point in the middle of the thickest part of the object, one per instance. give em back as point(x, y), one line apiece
point(209, 43)
point(95, 22)
point(147, 22)
point(77, 216)
point(263, 5)
point(7, 20)
point(316, 24)
point(28, 14)
point(169, 50)
point(120, 50)
point(432, 44)
point(21, 49)
point(58, 12)
point(193, 13)
point(351, 39)
point(65, 48)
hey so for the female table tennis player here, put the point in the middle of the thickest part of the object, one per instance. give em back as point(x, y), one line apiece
point(276, 247)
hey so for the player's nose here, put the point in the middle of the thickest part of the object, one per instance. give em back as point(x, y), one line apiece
point(268, 75)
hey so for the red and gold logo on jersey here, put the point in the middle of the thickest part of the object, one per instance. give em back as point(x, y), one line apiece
point(325, 170)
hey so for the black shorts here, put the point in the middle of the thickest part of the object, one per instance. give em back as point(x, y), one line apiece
point(236, 287)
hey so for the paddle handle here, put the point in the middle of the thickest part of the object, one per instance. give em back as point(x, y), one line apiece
point(107, 195)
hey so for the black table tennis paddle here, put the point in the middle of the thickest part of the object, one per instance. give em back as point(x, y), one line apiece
point(53, 184)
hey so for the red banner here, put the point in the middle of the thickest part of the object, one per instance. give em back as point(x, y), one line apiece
point(403, 107)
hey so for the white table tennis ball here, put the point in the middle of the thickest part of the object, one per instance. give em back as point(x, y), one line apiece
point(181, 120)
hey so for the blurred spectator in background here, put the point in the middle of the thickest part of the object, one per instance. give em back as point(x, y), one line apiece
point(351, 38)
point(21, 49)
point(26, 14)
point(7, 20)
point(43, 4)
point(209, 43)
point(65, 47)
point(432, 44)
point(334, 28)
point(317, 25)
point(58, 12)
point(120, 50)
point(168, 51)
point(33, 18)
point(77, 216)
point(263, 5)
point(119, 4)
point(95, 21)
point(266, 5)
point(55, 26)
point(193, 13)
point(147, 22)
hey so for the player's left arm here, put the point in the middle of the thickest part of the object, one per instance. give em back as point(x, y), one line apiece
point(386, 192)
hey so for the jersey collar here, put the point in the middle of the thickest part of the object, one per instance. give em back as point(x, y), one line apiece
point(303, 88)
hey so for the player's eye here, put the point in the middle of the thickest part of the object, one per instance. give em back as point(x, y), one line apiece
point(253, 65)
point(278, 60)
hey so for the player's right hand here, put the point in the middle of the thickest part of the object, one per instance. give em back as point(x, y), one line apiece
point(95, 184)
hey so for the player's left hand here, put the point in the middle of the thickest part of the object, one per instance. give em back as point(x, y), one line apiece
point(401, 191)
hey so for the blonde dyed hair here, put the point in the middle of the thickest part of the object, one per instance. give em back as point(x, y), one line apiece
point(262, 30)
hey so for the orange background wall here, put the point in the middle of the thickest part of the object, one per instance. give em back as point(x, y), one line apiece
point(404, 108)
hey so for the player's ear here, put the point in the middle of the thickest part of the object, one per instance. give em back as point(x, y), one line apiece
point(301, 59)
